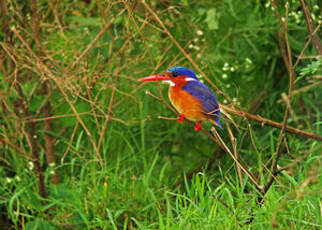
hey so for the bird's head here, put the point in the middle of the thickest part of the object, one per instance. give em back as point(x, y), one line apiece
point(176, 75)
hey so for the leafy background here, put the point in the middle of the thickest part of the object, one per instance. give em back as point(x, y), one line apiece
point(71, 94)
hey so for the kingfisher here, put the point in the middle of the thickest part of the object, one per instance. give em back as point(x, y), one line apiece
point(191, 98)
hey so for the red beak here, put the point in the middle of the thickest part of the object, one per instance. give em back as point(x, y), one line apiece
point(157, 77)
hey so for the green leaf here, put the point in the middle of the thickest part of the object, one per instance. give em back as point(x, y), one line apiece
point(39, 224)
point(212, 19)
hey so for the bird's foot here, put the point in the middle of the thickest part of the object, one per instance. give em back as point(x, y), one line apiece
point(198, 126)
point(180, 117)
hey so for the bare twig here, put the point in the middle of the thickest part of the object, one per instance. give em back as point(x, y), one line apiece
point(264, 121)
point(306, 45)
point(70, 142)
point(100, 141)
point(32, 138)
point(287, 57)
point(167, 118)
point(234, 145)
point(93, 42)
point(46, 71)
point(309, 22)
point(46, 109)
point(5, 20)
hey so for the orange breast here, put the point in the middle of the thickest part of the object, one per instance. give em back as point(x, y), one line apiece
point(185, 103)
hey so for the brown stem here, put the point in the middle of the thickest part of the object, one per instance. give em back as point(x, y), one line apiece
point(264, 121)
point(47, 72)
point(5, 20)
point(94, 41)
point(310, 26)
point(46, 110)
point(32, 137)
point(50, 141)
point(287, 57)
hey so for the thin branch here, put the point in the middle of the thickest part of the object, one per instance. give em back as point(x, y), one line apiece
point(234, 145)
point(290, 68)
point(32, 138)
point(309, 22)
point(93, 42)
point(46, 109)
point(307, 44)
point(70, 142)
point(264, 121)
point(46, 71)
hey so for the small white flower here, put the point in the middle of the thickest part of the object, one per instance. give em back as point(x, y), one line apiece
point(234, 99)
point(224, 76)
point(199, 32)
point(248, 61)
point(225, 101)
point(197, 48)
point(267, 4)
point(228, 86)
point(225, 67)
point(198, 55)
point(9, 179)
point(232, 69)
point(31, 165)
point(190, 46)
point(53, 164)
point(195, 40)
point(17, 178)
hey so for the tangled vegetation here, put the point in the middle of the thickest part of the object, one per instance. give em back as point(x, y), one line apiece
point(85, 145)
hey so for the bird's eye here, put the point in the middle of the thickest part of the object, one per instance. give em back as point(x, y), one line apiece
point(174, 75)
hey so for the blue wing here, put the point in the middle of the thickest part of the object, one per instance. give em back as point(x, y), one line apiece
point(208, 98)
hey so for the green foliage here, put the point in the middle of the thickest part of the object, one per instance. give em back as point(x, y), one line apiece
point(145, 179)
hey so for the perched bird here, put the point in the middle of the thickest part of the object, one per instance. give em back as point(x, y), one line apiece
point(191, 98)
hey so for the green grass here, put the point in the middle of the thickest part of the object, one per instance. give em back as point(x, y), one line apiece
point(148, 179)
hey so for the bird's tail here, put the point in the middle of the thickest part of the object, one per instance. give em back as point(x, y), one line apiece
point(216, 122)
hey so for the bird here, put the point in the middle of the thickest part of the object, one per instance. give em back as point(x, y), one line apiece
point(190, 97)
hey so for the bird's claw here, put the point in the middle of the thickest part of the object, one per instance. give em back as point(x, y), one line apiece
point(198, 126)
point(180, 117)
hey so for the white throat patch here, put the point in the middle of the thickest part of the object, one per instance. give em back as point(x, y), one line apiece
point(171, 83)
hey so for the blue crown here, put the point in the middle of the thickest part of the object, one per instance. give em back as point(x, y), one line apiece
point(182, 71)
